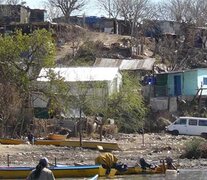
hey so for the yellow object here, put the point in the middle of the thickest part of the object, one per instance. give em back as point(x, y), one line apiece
point(112, 173)
point(59, 171)
point(12, 141)
point(106, 159)
point(75, 171)
point(56, 136)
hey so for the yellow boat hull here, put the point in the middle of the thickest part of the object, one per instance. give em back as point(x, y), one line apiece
point(59, 171)
point(76, 143)
point(48, 142)
point(91, 144)
point(12, 141)
point(63, 171)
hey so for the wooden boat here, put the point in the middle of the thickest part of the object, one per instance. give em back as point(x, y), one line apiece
point(12, 141)
point(138, 170)
point(52, 136)
point(91, 144)
point(48, 142)
point(160, 169)
point(61, 171)
point(76, 143)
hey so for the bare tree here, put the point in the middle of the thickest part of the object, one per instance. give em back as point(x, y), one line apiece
point(135, 11)
point(113, 9)
point(189, 11)
point(13, 2)
point(52, 12)
point(198, 12)
point(67, 6)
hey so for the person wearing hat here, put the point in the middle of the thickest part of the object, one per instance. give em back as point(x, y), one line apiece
point(41, 172)
point(108, 161)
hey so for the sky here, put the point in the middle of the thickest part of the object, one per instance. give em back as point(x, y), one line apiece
point(91, 9)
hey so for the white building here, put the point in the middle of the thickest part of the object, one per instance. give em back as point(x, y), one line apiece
point(109, 77)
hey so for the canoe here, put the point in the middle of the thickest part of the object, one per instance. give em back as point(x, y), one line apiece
point(138, 170)
point(76, 143)
point(94, 177)
point(48, 142)
point(91, 144)
point(56, 137)
point(62, 171)
point(12, 141)
point(161, 169)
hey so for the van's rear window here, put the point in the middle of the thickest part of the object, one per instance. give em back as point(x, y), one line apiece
point(202, 123)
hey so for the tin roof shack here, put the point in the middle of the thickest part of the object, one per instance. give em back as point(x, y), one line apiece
point(99, 24)
point(95, 83)
point(18, 14)
point(157, 28)
point(126, 64)
point(14, 14)
point(139, 67)
point(181, 83)
point(184, 84)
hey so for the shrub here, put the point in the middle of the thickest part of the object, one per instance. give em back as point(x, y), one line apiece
point(195, 149)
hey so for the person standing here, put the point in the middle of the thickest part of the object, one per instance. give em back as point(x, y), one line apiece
point(41, 172)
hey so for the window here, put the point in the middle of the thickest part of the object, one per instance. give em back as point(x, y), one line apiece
point(202, 123)
point(205, 81)
point(192, 122)
point(181, 121)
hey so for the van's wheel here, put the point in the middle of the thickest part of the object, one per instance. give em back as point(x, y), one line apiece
point(204, 135)
point(175, 132)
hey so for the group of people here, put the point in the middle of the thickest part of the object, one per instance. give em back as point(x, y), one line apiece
point(107, 160)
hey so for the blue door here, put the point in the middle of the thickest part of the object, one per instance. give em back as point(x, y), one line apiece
point(177, 85)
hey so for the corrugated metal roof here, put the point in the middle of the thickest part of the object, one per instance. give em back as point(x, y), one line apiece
point(125, 64)
point(82, 73)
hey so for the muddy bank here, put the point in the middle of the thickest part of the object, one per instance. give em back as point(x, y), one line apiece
point(153, 147)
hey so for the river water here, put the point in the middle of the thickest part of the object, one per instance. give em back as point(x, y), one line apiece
point(188, 174)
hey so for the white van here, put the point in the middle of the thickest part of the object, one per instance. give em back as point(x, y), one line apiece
point(189, 126)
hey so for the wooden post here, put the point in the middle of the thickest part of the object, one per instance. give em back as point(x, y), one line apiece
point(80, 127)
point(143, 144)
point(8, 160)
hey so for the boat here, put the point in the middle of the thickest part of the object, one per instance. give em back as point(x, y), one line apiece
point(60, 140)
point(94, 177)
point(76, 143)
point(161, 169)
point(91, 144)
point(52, 136)
point(47, 142)
point(65, 171)
point(59, 171)
point(12, 141)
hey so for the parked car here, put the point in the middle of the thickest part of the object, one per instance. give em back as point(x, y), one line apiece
point(189, 126)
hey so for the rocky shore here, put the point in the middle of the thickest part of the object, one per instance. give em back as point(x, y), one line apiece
point(153, 147)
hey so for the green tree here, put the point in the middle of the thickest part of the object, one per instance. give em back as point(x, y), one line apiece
point(127, 107)
point(88, 97)
point(21, 58)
